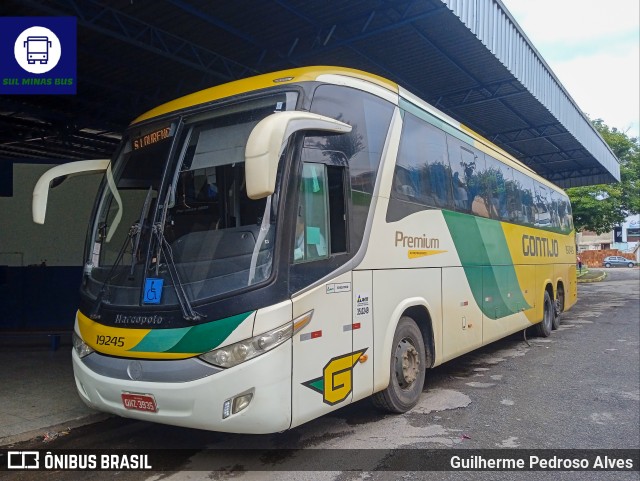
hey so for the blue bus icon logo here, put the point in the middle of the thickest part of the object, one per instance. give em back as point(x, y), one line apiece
point(37, 49)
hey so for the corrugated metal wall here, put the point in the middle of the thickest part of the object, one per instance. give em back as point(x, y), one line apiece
point(494, 26)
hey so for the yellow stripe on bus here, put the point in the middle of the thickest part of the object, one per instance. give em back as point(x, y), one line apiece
point(117, 341)
point(259, 82)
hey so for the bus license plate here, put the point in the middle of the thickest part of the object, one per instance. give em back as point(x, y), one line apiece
point(139, 402)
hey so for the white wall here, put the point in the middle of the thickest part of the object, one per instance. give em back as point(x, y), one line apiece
point(60, 241)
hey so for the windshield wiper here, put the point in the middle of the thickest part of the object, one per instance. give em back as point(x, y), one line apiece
point(103, 288)
point(188, 312)
point(137, 231)
point(163, 222)
point(134, 231)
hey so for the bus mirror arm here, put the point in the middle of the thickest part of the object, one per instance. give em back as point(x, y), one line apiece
point(268, 140)
point(41, 190)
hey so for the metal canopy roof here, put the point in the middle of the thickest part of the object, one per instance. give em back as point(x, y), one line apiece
point(469, 59)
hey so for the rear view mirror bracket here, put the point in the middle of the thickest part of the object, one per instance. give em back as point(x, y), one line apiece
point(41, 190)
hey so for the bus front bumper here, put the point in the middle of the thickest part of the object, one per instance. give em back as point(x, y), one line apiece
point(200, 403)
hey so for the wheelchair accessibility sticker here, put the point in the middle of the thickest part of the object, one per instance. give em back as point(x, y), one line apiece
point(152, 290)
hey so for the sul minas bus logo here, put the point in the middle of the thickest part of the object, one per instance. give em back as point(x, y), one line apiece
point(38, 55)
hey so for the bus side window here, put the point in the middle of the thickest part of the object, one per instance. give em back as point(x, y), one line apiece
point(524, 188)
point(422, 174)
point(542, 205)
point(497, 176)
point(337, 209)
point(312, 215)
point(323, 220)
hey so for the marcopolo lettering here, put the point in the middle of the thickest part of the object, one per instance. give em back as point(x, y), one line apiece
point(534, 246)
point(139, 320)
point(416, 242)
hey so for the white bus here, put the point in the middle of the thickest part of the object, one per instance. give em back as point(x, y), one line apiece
point(266, 251)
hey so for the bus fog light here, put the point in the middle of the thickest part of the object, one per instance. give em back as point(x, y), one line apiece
point(241, 402)
point(82, 348)
point(226, 409)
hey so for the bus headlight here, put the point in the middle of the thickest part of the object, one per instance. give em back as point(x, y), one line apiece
point(82, 348)
point(242, 351)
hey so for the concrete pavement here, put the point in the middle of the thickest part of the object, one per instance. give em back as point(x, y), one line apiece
point(37, 391)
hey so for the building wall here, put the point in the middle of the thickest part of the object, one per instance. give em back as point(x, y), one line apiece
point(630, 244)
point(588, 240)
point(41, 265)
point(60, 241)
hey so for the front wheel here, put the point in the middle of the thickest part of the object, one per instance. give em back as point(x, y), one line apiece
point(407, 369)
point(543, 329)
point(607, 265)
point(630, 264)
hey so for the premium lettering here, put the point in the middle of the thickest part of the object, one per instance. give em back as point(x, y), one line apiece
point(416, 242)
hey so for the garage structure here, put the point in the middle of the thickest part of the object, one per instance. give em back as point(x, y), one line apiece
point(469, 59)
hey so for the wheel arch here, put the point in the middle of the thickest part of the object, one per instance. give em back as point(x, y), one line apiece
point(549, 286)
point(420, 311)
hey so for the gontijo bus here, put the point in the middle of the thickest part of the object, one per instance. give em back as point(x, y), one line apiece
point(266, 251)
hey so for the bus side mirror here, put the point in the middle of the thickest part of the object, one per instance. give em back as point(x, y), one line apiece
point(269, 138)
point(41, 190)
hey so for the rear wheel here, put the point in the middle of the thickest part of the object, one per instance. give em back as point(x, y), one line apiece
point(543, 329)
point(559, 307)
point(407, 369)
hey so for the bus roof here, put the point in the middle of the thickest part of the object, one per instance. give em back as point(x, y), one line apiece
point(261, 82)
point(307, 74)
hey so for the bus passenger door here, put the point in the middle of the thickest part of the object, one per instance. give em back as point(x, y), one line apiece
point(323, 360)
point(323, 356)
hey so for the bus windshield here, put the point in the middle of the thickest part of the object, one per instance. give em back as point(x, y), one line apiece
point(174, 223)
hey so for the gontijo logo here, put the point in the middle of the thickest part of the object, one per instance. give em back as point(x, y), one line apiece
point(38, 55)
point(336, 381)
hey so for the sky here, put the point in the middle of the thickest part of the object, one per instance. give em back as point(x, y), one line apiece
point(593, 47)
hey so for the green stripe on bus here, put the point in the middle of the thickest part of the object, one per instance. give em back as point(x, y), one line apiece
point(206, 337)
point(160, 340)
point(196, 339)
point(484, 254)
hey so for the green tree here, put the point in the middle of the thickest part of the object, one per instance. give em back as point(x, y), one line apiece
point(601, 207)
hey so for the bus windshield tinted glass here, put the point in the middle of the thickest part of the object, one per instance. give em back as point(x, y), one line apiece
point(121, 232)
point(205, 237)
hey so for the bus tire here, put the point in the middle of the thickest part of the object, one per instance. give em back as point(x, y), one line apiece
point(407, 369)
point(558, 307)
point(543, 329)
